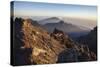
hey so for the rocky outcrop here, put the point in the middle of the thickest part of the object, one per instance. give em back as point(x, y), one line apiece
point(36, 45)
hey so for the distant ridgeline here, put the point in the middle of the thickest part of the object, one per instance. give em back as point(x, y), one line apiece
point(33, 44)
point(74, 31)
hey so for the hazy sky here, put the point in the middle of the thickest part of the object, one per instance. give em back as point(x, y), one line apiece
point(59, 10)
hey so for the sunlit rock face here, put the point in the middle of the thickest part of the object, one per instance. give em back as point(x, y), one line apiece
point(42, 48)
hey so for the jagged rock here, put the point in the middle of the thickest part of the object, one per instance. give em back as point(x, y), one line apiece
point(62, 38)
point(74, 51)
point(36, 45)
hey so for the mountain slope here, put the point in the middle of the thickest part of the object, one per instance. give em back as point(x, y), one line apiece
point(74, 51)
point(90, 39)
point(35, 44)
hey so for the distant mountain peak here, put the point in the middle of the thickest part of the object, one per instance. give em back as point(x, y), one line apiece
point(54, 18)
point(50, 20)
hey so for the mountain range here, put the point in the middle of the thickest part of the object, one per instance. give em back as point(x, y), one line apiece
point(54, 22)
point(32, 44)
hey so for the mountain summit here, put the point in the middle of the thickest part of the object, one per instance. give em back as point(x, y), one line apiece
point(50, 20)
